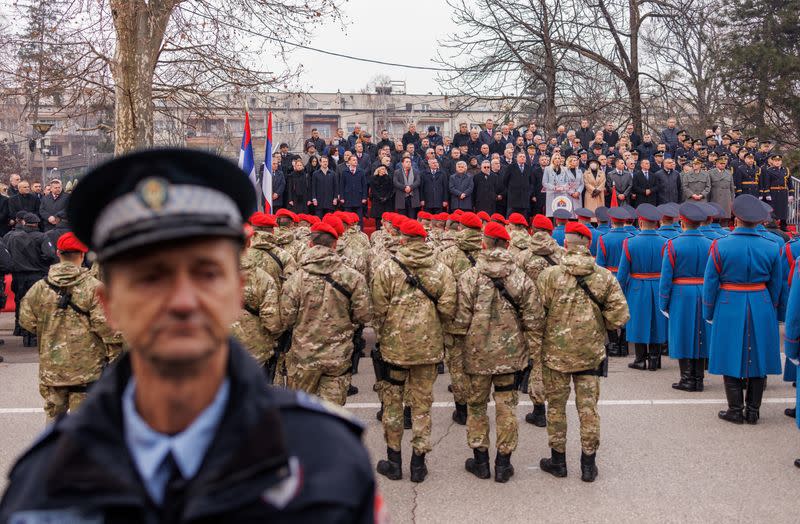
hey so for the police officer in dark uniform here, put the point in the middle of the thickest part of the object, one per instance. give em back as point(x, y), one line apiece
point(183, 427)
point(29, 264)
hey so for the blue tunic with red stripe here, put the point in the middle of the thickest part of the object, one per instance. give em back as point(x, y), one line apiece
point(681, 294)
point(792, 346)
point(638, 275)
point(741, 294)
point(790, 253)
point(668, 231)
point(609, 248)
point(709, 232)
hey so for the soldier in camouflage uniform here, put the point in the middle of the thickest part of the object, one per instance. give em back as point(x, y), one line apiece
point(458, 258)
point(437, 230)
point(500, 317)
point(378, 236)
point(259, 324)
point(542, 252)
point(75, 342)
point(323, 301)
point(351, 246)
point(285, 234)
point(518, 231)
point(573, 345)
point(413, 295)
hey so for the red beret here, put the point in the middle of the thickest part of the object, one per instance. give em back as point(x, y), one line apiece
point(69, 242)
point(398, 219)
point(286, 213)
point(483, 215)
point(495, 230)
point(412, 228)
point(263, 220)
point(248, 231)
point(471, 220)
point(302, 217)
point(518, 219)
point(424, 215)
point(349, 217)
point(578, 228)
point(542, 222)
point(254, 215)
point(313, 219)
point(334, 222)
point(441, 217)
point(497, 217)
point(458, 212)
point(324, 227)
point(387, 216)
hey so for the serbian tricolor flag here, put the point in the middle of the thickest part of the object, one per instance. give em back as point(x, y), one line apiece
point(247, 160)
point(614, 202)
point(266, 179)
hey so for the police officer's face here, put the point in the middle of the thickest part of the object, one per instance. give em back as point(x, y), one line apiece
point(175, 305)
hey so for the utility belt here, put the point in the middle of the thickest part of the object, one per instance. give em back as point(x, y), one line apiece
point(76, 388)
point(383, 370)
point(600, 371)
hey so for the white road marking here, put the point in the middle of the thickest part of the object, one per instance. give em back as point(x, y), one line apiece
point(642, 402)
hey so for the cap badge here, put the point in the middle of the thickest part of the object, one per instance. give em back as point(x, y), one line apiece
point(153, 193)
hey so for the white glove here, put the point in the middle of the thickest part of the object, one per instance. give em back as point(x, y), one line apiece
point(794, 361)
point(665, 313)
point(710, 322)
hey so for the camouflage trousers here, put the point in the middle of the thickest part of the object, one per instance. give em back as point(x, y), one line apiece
point(417, 382)
point(454, 358)
point(505, 412)
point(328, 383)
point(59, 399)
point(536, 385)
point(587, 391)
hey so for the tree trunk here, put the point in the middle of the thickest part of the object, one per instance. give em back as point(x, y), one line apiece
point(550, 121)
point(634, 91)
point(140, 30)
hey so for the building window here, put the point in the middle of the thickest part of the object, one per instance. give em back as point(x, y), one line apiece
point(426, 107)
point(409, 107)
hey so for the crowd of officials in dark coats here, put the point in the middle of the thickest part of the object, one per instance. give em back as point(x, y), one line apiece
point(506, 169)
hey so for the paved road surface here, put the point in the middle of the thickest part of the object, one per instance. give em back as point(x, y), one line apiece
point(664, 455)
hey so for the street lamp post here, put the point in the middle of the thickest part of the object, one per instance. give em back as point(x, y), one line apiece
point(42, 128)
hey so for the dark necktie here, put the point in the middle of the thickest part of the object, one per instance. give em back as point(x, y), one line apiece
point(174, 493)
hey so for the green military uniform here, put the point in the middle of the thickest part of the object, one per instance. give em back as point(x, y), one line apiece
point(520, 239)
point(259, 325)
point(75, 342)
point(496, 342)
point(323, 318)
point(696, 183)
point(409, 327)
point(574, 337)
point(459, 257)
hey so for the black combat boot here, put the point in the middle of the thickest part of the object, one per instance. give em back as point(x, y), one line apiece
point(640, 357)
point(686, 383)
point(755, 391)
point(698, 372)
point(407, 417)
point(449, 388)
point(33, 340)
point(503, 470)
point(612, 348)
point(654, 357)
point(17, 330)
point(789, 412)
point(556, 465)
point(440, 368)
point(479, 464)
point(734, 394)
point(352, 390)
point(392, 468)
point(588, 467)
point(379, 414)
point(623, 342)
point(460, 414)
point(418, 468)
point(537, 417)
point(797, 463)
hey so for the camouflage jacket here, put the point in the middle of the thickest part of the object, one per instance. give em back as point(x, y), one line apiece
point(265, 251)
point(353, 252)
point(382, 253)
point(408, 323)
point(532, 259)
point(287, 240)
point(498, 338)
point(323, 317)
point(378, 237)
point(575, 328)
point(520, 240)
point(468, 241)
point(259, 324)
point(448, 239)
point(75, 342)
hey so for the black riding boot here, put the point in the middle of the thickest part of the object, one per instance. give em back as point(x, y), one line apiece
point(686, 383)
point(623, 342)
point(460, 414)
point(556, 465)
point(418, 468)
point(755, 391)
point(407, 417)
point(640, 357)
point(613, 348)
point(698, 372)
point(735, 396)
point(503, 470)
point(392, 468)
point(537, 417)
point(479, 464)
point(379, 414)
point(588, 467)
point(654, 357)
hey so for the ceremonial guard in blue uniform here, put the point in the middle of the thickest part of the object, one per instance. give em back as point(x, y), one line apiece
point(790, 253)
point(561, 216)
point(585, 217)
point(705, 228)
point(601, 214)
point(792, 345)
point(668, 215)
point(681, 298)
point(609, 251)
point(630, 226)
point(714, 224)
point(639, 274)
point(741, 294)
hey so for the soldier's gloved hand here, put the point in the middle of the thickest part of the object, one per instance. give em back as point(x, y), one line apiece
point(665, 313)
point(794, 361)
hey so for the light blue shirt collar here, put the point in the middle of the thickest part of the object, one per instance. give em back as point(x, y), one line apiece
point(149, 448)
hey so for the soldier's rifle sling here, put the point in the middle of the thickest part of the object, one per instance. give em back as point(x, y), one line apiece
point(549, 260)
point(253, 311)
point(415, 282)
point(501, 288)
point(337, 286)
point(602, 369)
point(470, 258)
point(275, 258)
point(65, 296)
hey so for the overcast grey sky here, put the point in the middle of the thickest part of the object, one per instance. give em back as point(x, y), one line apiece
point(400, 31)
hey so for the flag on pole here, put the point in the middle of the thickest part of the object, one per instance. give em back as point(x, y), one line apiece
point(247, 160)
point(266, 180)
point(614, 202)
